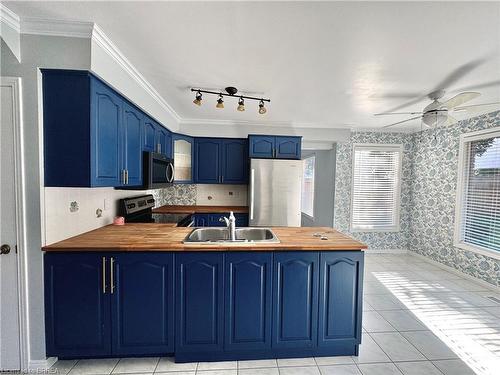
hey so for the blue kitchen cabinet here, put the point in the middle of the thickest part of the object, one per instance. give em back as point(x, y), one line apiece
point(261, 146)
point(207, 166)
point(295, 300)
point(248, 307)
point(142, 303)
point(341, 279)
point(241, 220)
point(77, 305)
point(132, 144)
point(234, 161)
point(199, 300)
point(274, 147)
point(201, 220)
point(149, 135)
point(215, 220)
point(163, 141)
point(219, 161)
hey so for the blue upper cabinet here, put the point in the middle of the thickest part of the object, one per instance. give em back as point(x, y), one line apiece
point(182, 151)
point(77, 305)
point(149, 137)
point(163, 141)
point(234, 161)
point(199, 302)
point(261, 146)
point(248, 301)
point(207, 166)
point(295, 299)
point(340, 288)
point(132, 144)
point(274, 147)
point(142, 306)
point(221, 161)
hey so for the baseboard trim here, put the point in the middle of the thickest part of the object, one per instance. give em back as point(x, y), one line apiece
point(455, 271)
point(42, 364)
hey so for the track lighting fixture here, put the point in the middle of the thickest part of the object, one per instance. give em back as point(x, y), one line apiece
point(230, 91)
point(241, 104)
point(197, 100)
point(220, 102)
point(262, 109)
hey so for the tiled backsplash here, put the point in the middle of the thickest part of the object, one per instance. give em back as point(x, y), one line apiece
point(72, 211)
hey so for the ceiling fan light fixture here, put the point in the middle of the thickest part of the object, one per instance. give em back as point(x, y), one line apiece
point(197, 99)
point(241, 104)
point(262, 108)
point(220, 102)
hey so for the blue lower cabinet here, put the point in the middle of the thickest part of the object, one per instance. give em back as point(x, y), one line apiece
point(341, 278)
point(241, 220)
point(295, 299)
point(201, 220)
point(77, 305)
point(142, 304)
point(248, 301)
point(199, 299)
point(214, 220)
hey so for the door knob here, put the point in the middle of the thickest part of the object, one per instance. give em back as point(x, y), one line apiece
point(5, 249)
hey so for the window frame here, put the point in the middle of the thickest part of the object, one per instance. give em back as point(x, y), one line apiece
point(379, 147)
point(314, 190)
point(460, 196)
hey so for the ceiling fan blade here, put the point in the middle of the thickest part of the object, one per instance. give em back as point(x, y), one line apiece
point(479, 86)
point(464, 107)
point(460, 99)
point(458, 73)
point(397, 113)
point(400, 122)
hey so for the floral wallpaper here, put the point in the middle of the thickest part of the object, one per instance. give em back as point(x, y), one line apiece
point(177, 194)
point(428, 192)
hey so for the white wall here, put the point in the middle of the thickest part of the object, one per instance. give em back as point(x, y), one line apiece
point(49, 52)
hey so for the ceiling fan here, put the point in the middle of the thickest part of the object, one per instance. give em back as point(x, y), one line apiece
point(439, 112)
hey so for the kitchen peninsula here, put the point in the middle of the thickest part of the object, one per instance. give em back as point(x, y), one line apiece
point(139, 290)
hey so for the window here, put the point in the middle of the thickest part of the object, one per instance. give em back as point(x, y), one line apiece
point(478, 193)
point(376, 187)
point(308, 186)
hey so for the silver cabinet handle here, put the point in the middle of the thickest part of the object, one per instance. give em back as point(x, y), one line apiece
point(126, 176)
point(222, 179)
point(112, 274)
point(103, 275)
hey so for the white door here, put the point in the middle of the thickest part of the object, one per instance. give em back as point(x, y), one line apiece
point(9, 298)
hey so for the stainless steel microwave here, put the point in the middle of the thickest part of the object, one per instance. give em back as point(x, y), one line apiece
point(158, 170)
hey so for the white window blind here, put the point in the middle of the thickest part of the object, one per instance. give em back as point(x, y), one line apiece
point(376, 187)
point(479, 191)
point(308, 186)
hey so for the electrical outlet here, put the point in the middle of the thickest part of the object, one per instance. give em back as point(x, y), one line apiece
point(231, 193)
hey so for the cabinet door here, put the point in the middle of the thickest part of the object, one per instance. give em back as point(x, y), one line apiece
point(234, 161)
point(163, 141)
point(214, 220)
point(201, 220)
point(199, 302)
point(295, 299)
point(132, 144)
point(207, 166)
point(142, 304)
point(149, 135)
point(248, 300)
point(288, 147)
point(183, 158)
point(106, 118)
point(261, 146)
point(77, 305)
point(340, 288)
point(241, 220)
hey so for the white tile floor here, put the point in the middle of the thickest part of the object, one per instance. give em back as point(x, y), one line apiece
point(418, 319)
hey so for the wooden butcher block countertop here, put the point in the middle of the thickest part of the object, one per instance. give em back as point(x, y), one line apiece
point(200, 209)
point(161, 237)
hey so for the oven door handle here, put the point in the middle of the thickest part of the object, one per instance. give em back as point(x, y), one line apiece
point(172, 172)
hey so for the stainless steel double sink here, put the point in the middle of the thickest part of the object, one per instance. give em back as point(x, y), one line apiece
point(221, 235)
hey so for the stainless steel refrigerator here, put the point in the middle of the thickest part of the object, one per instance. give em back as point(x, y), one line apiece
point(275, 192)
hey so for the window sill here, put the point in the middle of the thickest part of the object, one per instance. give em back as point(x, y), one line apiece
point(478, 250)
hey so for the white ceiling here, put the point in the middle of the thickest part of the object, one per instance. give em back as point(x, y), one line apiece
point(328, 64)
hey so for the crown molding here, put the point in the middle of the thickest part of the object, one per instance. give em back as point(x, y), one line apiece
point(99, 37)
point(284, 124)
point(9, 18)
point(42, 26)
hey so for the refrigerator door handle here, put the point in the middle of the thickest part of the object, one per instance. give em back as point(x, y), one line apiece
point(252, 187)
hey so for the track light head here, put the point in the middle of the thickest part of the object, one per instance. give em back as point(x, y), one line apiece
point(220, 102)
point(197, 100)
point(241, 104)
point(262, 108)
